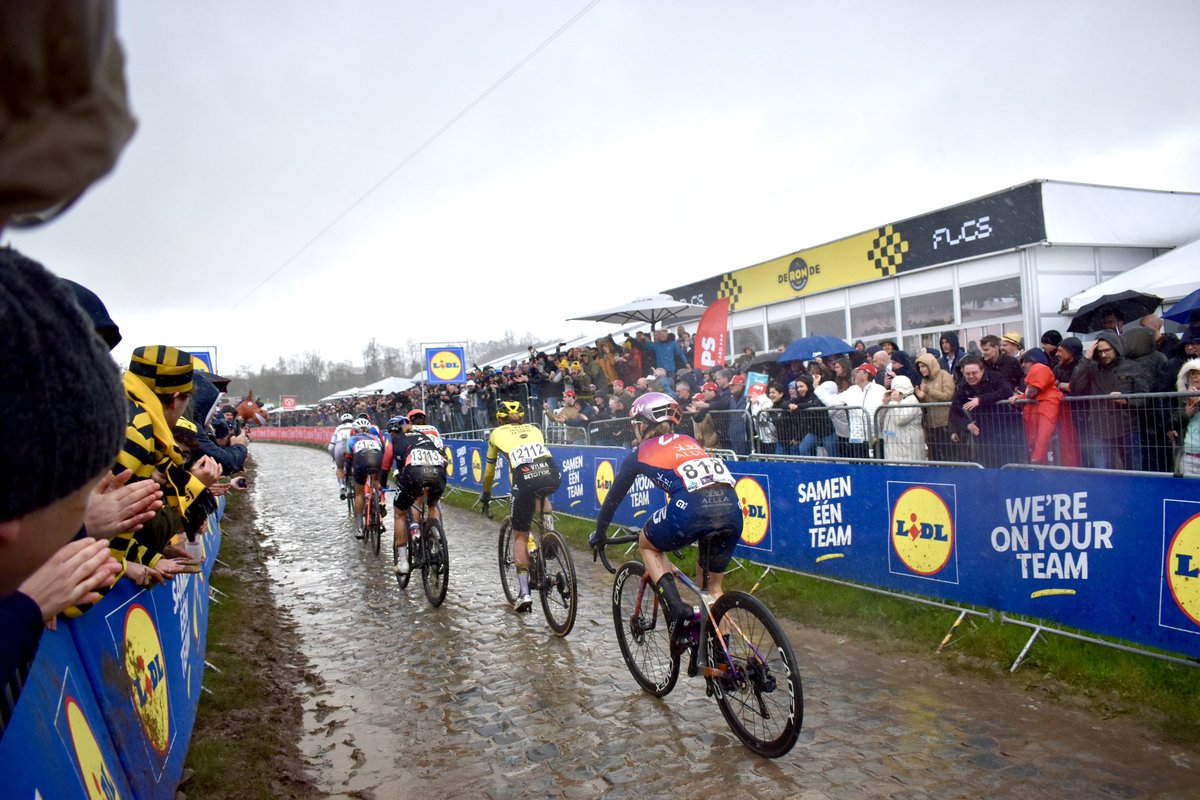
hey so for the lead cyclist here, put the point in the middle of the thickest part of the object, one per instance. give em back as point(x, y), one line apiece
point(700, 500)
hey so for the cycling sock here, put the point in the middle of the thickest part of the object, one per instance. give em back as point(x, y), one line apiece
point(668, 594)
point(523, 579)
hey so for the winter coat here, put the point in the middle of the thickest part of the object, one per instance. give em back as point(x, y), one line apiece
point(900, 425)
point(1189, 457)
point(1106, 418)
point(1042, 419)
point(938, 388)
point(952, 362)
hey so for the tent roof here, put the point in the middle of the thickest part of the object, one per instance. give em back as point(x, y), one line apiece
point(1170, 276)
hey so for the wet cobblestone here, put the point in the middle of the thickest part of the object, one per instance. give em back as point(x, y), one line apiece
point(473, 700)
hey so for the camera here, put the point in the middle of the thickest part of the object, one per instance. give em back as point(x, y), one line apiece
point(240, 482)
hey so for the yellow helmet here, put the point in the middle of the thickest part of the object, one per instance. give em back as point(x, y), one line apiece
point(508, 409)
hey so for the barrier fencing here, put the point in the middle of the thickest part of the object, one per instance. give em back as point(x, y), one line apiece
point(110, 702)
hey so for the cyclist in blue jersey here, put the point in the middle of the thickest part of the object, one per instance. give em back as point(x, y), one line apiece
point(364, 455)
point(700, 500)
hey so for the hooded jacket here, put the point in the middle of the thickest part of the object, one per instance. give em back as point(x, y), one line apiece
point(1105, 418)
point(938, 388)
point(1041, 416)
point(950, 363)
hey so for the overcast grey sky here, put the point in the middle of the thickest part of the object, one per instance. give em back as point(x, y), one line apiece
point(650, 145)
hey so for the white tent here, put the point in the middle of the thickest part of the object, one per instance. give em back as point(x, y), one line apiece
point(338, 395)
point(387, 386)
point(1171, 276)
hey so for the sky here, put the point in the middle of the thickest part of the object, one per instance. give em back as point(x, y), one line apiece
point(308, 176)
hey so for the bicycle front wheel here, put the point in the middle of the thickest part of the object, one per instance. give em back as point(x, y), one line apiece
point(758, 686)
point(508, 564)
point(435, 569)
point(560, 598)
point(642, 631)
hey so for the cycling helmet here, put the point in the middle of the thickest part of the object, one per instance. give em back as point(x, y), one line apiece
point(362, 424)
point(507, 409)
point(395, 424)
point(416, 412)
point(346, 418)
point(362, 415)
point(655, 407)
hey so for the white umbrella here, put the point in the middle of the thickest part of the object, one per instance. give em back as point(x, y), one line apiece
point(653, 309)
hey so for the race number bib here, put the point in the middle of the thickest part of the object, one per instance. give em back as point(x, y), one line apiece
point(367, 446)
point(701, 472)
point(431, 433)
point(528, 453)
point(425, 458)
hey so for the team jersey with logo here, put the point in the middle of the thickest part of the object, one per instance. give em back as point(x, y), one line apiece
point(521, 444)
point(674, 462)
point(342, 432)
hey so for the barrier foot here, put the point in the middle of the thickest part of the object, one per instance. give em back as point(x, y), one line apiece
point(204, 688)
point(212, 589)
point(950, 633)
point(222, 563)
point(213, 667)
point(214, 600)
point(760, 580)
point(1025, 650)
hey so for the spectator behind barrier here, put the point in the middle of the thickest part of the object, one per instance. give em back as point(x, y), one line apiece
point(1186, 427)
point(56, 379)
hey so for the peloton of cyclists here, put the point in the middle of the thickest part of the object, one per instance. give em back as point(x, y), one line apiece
point(701, 500)
point(418, 454)
point(337, 449)
point(364, 455)
point(533, 472)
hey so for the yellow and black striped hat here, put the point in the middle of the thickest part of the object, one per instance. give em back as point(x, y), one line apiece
point(164, 369)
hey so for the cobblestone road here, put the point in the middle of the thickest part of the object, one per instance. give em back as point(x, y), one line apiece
point(472, 700)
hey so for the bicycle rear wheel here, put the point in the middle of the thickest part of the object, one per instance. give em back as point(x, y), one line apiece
point(642, 631)
point(376, 523)
point(349, 486)
point(560, 598)
point(435, 567)
point(759, 693)
point(508, 564)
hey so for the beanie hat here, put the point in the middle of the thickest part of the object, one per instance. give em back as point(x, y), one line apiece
point(1052, 337)
point(64, 410)
point(1037, 355)
point(164, 369)
point(1073, 346)
point(94, 307)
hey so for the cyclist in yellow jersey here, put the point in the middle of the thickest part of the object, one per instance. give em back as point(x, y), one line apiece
point(534, 473)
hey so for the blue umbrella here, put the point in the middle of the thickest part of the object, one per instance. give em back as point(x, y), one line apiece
point(1183, 310)
point(811, 347)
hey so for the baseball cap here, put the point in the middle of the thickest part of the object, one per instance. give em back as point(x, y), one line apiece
point(738, 379)
point(709, 387)
point(868, 368)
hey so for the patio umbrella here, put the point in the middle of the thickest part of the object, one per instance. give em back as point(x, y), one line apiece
point(1131, 305)
point(1183, 310)
point(653, 309)
point(811, 347)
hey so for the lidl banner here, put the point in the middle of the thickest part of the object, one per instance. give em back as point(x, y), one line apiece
point(1116, 555)
point(445, 365)
point(110, 704)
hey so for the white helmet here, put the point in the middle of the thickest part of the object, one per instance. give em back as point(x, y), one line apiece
point(362, 424)
point(346, 418)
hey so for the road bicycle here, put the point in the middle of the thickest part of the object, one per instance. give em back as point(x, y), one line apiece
point(372, 514)
point(551, 569)
point(427, 551)
point(348, 493)
point(736, 645)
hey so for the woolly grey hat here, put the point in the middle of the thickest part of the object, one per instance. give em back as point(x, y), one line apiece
point(62, 408)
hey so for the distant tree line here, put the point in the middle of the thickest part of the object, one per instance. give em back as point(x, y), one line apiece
point(310, 377)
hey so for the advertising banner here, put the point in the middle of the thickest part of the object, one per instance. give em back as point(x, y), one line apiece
point(445, 365)
point(990, 224)
point(710, 336)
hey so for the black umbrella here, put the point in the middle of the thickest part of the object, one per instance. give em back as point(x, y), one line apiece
point(1131, 306)
point(764, 362)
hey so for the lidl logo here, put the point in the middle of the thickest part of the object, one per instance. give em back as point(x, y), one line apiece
point(604, 480)
point(92, 767)
point(1183, 568)
point(476, 466)
point(445, 365)
point(146, 668)
point(756, 510)
point(922, 530)
point(449, 463)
